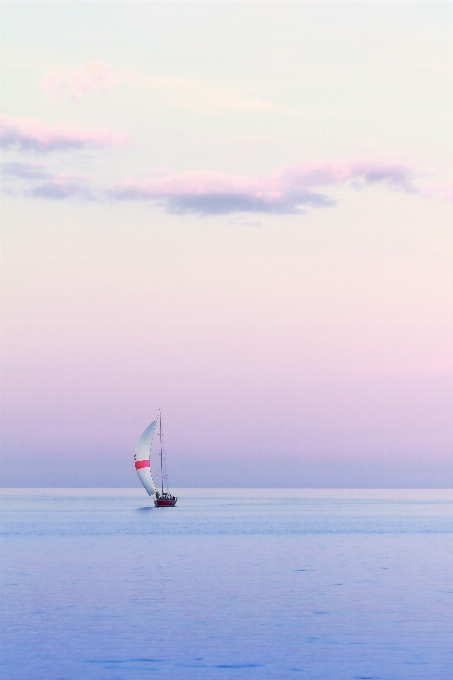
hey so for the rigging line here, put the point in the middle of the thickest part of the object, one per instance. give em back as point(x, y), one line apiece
point(161, 453)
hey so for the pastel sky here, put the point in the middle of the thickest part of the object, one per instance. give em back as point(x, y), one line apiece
point(237, 212)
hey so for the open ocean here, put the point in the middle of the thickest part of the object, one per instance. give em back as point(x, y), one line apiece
point(230, 584)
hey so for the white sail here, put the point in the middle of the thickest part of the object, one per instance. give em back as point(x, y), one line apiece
point(142, 459)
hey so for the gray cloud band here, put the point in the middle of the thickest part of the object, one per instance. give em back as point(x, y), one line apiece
point(224, 203)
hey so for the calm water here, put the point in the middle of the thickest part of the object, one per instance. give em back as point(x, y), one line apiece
point(231, 584)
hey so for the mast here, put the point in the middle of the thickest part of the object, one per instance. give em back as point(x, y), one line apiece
point(161, 452)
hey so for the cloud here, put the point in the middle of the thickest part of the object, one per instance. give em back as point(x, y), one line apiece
point(38, 180)
point(26, 171)
point(441, 190)
point(28, 134)
point(73, 83)
point(62, 187)
point(290, 190)
point(287, 191)
point(185, 93)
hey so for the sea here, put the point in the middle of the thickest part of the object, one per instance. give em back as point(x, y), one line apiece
point(97, 584)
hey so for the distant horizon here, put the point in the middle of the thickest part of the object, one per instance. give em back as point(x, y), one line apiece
point(244, 488)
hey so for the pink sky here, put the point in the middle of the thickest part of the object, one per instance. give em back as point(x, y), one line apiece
point(248, 227)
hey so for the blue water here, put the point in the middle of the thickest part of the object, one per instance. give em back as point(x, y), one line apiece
point(230, 584)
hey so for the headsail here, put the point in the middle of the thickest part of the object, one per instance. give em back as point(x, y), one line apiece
point(141, 457)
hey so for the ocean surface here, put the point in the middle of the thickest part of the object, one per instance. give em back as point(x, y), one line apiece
point(230, 584)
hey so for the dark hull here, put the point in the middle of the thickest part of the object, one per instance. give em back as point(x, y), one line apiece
point(165, 503)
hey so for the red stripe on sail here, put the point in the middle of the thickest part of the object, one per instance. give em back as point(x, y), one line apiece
point(141, 464)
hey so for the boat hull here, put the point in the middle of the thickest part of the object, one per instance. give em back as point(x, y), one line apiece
point(165, 503)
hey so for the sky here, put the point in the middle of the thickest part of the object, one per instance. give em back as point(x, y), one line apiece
point(239, 213)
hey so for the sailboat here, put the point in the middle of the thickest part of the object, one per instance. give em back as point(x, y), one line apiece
point(142, 458)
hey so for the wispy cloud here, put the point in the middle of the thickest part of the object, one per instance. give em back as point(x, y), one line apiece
point(187, 93)
point(39, 180)
point(25, 171)
point(289, 190)
point(73, 83)
point(440, 189)
point(62, 187)
point(29, 134)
